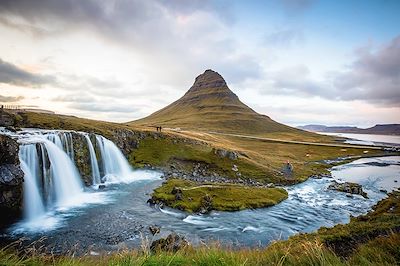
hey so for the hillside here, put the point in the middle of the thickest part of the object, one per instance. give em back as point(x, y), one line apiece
point(209, 105)
point(384, 129)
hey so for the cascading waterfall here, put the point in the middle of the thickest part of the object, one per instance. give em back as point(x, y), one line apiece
point(67, 181)
point(63, 140)
point(52, 180)
point(115, 166)
point(93, 162)
point(33, 204)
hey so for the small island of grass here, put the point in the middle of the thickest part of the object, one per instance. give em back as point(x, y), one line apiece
point(193, 197)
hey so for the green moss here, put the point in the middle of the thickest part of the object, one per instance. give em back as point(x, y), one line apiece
point(223, 197)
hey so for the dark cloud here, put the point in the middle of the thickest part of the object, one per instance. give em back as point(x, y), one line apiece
point(9, 99)
point(374, 76)
point(11, 74)
point(195, 31)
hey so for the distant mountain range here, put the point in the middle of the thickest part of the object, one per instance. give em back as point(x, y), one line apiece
point(385, 129)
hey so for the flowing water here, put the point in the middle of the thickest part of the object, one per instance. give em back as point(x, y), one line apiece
point(118, 216)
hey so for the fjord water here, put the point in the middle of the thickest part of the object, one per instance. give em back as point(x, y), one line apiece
point(119, 215)
point(367, 139)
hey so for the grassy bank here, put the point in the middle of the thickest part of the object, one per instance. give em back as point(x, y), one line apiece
point(371, 239)
point(215, 196)
point(260, 160)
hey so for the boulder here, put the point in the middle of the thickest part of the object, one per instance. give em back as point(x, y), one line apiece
point(172, 243)
point(154, 229)
point(11, 181)
point(206, 204)
point(225, 154)
point(348, 187)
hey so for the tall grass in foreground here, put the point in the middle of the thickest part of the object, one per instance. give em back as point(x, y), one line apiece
point(379, 251)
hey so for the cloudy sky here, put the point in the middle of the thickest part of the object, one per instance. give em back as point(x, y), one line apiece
point(298, 61)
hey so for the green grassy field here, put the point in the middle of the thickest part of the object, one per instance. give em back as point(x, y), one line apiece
point(257, 159)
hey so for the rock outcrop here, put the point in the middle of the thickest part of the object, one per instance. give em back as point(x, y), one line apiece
point(348, 187)
point(82, 157)
point(11, 181)
point(171, 243)
point(226, 154)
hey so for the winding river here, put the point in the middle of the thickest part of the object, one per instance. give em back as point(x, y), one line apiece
point(118, 217)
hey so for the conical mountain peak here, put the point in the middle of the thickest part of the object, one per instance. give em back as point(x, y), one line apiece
point(209, 85)
point(210, 105)
point(209, 78)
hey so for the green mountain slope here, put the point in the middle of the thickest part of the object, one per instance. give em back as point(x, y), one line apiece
point(209, 105)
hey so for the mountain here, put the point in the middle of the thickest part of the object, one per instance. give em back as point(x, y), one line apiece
point(209, 105)
point(385, 129)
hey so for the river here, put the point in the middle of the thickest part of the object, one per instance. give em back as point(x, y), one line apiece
point(118, 217)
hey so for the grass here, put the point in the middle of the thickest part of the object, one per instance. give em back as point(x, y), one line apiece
point(263, 161)
point(260, 160)
point(56, 121)
point(224, 197)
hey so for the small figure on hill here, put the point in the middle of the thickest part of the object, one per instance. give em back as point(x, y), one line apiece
point(288, 169)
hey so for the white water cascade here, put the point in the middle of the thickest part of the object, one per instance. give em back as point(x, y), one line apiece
point(66, 179)
point(114, 165)
point(32, 200)
point(93, 162)
point(52, 180)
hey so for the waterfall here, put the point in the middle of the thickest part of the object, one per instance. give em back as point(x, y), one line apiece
point(67, 181)
point(93, 162)
point(63, 140)
point(52, 181)
point(114, 164)
point(33, 204)
point(50, 185)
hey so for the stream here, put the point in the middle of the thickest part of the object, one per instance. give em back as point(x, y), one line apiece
point(117, 217)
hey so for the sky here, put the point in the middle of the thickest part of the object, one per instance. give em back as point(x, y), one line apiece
point(297, 61)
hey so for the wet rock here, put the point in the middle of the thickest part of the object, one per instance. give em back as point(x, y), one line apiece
point(82, 157)
point(11, 181)
point(151, 201)
point(348, 187)
point(171, 243)
point(206, 204)
point(154, 229)
point(102, 186)
point(11, 128)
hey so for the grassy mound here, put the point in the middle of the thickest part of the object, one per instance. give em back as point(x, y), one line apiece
point(215, 196)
